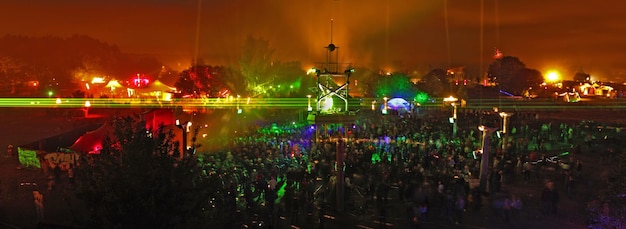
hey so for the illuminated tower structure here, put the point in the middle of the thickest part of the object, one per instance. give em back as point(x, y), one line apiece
point(333, 79)
point(332, 122)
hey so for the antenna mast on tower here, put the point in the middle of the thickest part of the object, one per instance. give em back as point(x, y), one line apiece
point(331, 82)
point(332, 66)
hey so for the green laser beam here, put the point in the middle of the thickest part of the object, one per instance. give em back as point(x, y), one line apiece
point(293, 103)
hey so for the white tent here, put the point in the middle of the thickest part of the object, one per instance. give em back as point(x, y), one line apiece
point(156, 89)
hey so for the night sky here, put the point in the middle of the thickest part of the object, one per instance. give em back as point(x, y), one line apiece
point(566, 35)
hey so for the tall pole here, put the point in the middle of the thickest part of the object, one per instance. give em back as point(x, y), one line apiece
point(481, 74)
point(484, 161)
point(385, 105)
point(452, 100)
point(197, 41)
point(505, 117)
point(445, 15)
point(183, 127)
point(339, 189)
point(454, 117)
point(497, 16)
point(182, 155)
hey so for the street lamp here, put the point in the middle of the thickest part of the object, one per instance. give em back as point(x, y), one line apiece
point(484, 161)
point(86, 110)
point(185, 128)
point(385, 105)
point(452, 100)
point(505, 117)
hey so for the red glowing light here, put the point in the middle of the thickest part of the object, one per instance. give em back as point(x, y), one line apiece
point(140, 81)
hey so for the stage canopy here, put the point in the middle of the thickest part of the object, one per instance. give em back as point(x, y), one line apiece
point(156, 89)
point(113, 84)
point(399, 104)
point(156, 86)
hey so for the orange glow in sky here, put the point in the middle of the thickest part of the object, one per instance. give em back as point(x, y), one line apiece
point(402, 35)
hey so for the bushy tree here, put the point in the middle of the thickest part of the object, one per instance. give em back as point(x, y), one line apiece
point(292, 80)
point(395, 86)
point(138, 181)
point(434, 82)
point(256, 62)
point(65, 63)
point(532, 78)
point(367, 81)
point(512, 76)
point(203, 80)
point(10, 68)
point(582, 77)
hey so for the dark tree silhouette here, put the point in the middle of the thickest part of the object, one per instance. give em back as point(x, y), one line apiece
point(138, 181)
point(204, 80)
point(68, 61)
point(582, 77)
point(512, 76)
point(434, 82)
point(531, 77)
point(256, 62)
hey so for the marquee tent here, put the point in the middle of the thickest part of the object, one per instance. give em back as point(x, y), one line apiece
point(91, 142)
point(156, 89)
point(156, 86)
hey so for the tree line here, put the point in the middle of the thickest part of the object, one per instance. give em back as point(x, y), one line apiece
point(63, 63)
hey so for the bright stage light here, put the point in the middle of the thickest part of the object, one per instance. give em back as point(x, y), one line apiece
point(553, 76)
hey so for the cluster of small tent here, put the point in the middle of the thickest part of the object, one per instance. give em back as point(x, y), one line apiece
point(156, 89)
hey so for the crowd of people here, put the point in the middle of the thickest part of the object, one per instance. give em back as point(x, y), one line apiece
point(292, 175)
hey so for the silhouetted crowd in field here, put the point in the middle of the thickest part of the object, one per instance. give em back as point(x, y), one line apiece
point(290, 176)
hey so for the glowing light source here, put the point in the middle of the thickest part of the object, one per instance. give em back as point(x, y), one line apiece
point(327, 104)
point(313, 71)
point(384, 111)
point(97, 80)
point(450, 99)
point(140, 81)
point(553, 76)
point(504, 116)
point(309, 108)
